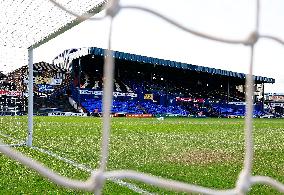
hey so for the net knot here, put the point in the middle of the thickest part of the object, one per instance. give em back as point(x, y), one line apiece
point(252, 38)
point(243, 183)
point(113, 8)
point(97, 180)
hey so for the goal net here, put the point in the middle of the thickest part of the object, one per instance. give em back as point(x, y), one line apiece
point(19, 37)
point(100, 175)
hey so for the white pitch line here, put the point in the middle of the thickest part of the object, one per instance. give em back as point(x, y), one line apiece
point(131, 186)
point(13, 145)
point(13, 139)
point(79, 166)
point(75, 164)
point(88, 169)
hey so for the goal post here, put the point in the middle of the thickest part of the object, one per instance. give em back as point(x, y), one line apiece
point(30, 97)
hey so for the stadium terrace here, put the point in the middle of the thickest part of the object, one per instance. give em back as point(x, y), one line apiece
point(142, 86)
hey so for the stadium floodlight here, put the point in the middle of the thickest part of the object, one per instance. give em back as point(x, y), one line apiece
point(96, 181)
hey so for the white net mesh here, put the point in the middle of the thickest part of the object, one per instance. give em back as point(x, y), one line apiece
point(96, 182)
point(47, 18)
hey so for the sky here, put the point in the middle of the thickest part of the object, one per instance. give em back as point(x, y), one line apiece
point(144, 34)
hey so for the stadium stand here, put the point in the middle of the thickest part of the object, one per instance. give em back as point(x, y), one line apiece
point(11, 101)
point(142, 85)
point(50, 87)
point(145, 85)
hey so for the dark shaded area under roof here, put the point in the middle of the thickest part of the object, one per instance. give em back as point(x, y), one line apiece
point(2, 76)
point(169, 63)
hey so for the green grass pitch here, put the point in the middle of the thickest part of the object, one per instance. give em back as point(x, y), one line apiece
point(207, 152)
